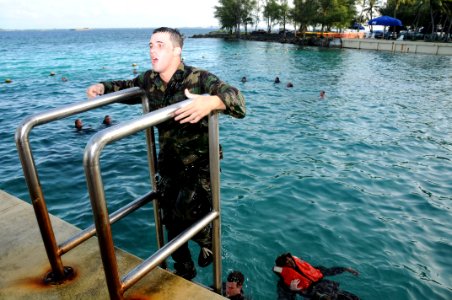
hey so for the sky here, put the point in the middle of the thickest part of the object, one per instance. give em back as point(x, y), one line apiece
point(68, 14)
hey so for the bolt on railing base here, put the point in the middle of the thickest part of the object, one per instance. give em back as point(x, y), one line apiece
point(51, 278)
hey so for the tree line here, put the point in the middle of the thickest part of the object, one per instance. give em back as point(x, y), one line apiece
point(236, 15)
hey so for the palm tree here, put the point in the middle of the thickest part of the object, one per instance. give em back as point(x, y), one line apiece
point(247, 8)
point(369, 7)
point(284, 9)
point(399, 2)
point(225, 13)
point(271, 13)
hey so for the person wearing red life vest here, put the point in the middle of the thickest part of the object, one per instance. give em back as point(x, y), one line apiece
point(299, 277)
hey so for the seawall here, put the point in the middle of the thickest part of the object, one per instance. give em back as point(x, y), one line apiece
point(398, 46)
point(344, 40)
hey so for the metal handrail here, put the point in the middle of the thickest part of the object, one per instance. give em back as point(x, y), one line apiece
point(90, 231)
point(53, 251)
point(91, 162)
point(154, 260)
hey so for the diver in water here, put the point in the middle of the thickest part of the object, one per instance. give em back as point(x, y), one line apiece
point(107, 121)
point(78, 124)
point(299, 277)
point(233, 288)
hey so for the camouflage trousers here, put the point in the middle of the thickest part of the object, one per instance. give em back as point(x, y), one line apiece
point(185, 197)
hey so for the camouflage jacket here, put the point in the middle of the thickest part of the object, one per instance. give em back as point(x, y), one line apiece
point(182, 144)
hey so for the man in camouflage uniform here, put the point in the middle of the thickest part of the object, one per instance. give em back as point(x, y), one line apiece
point(183, 160)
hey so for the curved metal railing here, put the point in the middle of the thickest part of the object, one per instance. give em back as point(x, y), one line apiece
point(102, 219)
point(53, 250)
point(91, 162)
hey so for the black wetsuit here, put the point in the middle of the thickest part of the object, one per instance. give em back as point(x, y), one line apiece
point(322, 289)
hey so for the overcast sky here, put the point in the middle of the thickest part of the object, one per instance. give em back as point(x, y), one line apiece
point(56, 14)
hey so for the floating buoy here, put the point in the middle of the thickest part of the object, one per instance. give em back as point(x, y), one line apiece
point(7, 80)
point(52, 74)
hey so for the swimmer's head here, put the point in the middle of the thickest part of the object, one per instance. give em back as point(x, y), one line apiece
point(78, 124)
point(107, 120)
point(284, 259)
point(234, 283)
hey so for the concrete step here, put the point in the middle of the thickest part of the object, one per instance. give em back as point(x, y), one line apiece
point(23, 264)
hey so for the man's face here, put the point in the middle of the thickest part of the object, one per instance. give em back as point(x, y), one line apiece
point(162, 51)
point(232, 288)
point(290, 262)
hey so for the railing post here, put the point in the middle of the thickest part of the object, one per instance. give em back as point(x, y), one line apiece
point(214, 163)
point(152, 161)
point(57, 275)
point(101, 220)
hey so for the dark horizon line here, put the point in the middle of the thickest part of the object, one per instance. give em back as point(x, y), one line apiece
point(95, 28)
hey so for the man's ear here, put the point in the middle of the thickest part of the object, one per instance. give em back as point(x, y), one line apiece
point(178, 50)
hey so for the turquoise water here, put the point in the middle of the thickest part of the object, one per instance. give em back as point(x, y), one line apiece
point(361, 179)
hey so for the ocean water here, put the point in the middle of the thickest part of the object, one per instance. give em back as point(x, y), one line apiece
point(360, 179)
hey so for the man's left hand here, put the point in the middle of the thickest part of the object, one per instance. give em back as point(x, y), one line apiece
point(200, 107)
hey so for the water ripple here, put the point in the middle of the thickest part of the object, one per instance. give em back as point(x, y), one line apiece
point(361, 178)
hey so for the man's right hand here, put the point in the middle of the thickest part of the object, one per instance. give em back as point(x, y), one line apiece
point(95, 90)
point(294, 285)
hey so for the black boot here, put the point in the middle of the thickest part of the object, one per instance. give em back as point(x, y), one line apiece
point(186, 270)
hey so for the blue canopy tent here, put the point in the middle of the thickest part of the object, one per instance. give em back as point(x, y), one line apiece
point(385, 21)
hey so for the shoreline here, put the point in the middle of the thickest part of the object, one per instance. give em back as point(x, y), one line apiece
point(401, 46)
point(267, 37)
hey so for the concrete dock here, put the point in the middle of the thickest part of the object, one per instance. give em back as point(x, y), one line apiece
point(24, 263)
point(416, 47)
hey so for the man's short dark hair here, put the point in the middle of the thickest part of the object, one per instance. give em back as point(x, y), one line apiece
point(280, 261)
point(236, 276)
point(175, 35)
